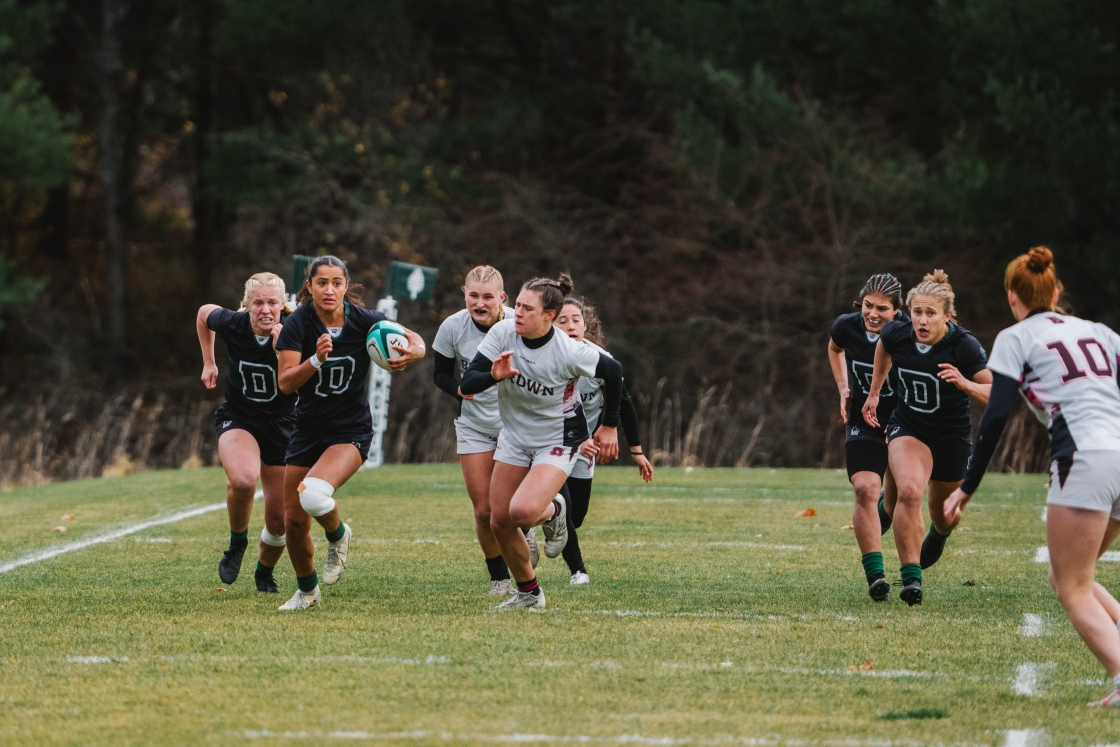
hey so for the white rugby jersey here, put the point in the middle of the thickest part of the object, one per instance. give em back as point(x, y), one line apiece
point(540, 407)
point(1066, 369)
point(459, 337)
point(591, 392)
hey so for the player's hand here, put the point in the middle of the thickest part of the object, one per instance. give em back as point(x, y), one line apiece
point(465, 397)
point(589, 449)
point(954, 505)
point(950, 374)
point(606, 438)
point(209, 375)
point(503, 367)
point(869, 407)
point(414, 352)
point(845, 398)
point(644, 467)
point(276, 330)
point(323, 347)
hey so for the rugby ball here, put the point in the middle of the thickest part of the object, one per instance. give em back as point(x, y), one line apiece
point(382, 336)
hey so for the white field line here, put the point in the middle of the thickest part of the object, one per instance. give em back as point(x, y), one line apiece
point(108, 536)
point(1029, 678)
point(1042, 555)
point(1033, 625)
point(519, 738)
point(1043, 517)
point(1025, 738)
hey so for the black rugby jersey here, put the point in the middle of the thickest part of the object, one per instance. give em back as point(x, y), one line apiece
point(928, 405)
point(251, 388)
point(858, 344)
point(334, 398)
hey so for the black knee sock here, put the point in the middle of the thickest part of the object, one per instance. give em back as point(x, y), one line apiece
point(572, 554)
point(579, 499)
point(497, 568)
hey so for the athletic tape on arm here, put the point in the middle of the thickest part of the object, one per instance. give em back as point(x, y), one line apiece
point(316, 496)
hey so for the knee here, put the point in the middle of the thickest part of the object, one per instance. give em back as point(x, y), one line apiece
point(482, 516)
point(500, 522)
point(316, 496)
point(242, 482)
point(296, 521)
point(519, 516)
point(867, 493)
point(910, 492)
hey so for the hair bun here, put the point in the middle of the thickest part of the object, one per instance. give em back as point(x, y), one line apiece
point(565, 284)
point(937, 276)
point(1039, 259)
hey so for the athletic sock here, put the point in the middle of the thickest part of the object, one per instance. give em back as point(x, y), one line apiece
point(337, 534)
point(263, 570)
point(911, 572)
point(1116, 682)
point(555, 508)
point(498, 569)
point(873, 566)
point(239, 539)
point(529, 587)
point(308, 583)
point(884, 517)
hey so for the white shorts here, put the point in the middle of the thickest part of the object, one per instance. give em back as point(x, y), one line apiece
point(584, 469)
point(470, 440)
point(564, 457)
point(1088, 479)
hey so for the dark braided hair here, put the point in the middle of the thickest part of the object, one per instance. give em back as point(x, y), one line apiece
point(552, 292)
point(591, 321)
point(885, 284)
point(353, 290)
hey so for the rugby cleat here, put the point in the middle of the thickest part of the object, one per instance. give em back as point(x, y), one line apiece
point(501, 588)
point(1112, 700)
point(302, 600)
point(266, 584)
point(556, 530)
point(335, 563)
point(524, 600)
point(534, 548)
point(879, 589)
point(579, 578)
point(911, 593)
point(885, 519)
point(229, 567)
point(932, 547)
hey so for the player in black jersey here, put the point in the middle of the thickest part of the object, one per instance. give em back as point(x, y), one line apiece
point(578, 320)
point(323, 357)
point(254, 423)
point(940, 366)
point(851, 353)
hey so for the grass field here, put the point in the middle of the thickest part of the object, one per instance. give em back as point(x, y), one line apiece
point(714, 616)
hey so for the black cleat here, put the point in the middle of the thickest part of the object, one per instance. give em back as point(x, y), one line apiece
point(885, 519)
point(266, 584)
point(932, 547)
point(911, 593)
point(230, 565)
point(879, 589)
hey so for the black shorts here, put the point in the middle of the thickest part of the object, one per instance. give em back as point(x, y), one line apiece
point(950, 455)
point(272, 434)
point(306, 448)
point(865, 449)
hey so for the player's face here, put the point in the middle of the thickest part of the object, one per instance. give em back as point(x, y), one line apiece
point(328, 287)
point(484, 301)
point(930, 320)
point(265, 305)
point(877, 310)
point(529, 318)
point(571, 322)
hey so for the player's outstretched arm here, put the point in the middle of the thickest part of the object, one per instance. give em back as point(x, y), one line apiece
point(979, 388)
point(480, 374)
point(839, 365)
point(878, 376)
point(606, 435)
point(1003, 392)
point(206, 341)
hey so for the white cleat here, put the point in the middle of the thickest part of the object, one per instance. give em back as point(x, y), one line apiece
point(556, 530)
point(501, 588)
point(579, 578)
point(523, 600)
point(534, 548)
point(1112, 700)
point(335, 563)
point(302, 600)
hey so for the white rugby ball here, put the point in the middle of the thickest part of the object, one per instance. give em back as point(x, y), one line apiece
point(380, 340)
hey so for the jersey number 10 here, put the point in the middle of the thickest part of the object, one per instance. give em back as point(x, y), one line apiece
point(1101, 367)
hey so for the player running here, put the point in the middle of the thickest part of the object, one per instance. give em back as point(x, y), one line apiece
point(323, 357)
point(542, 424)
point(929, 436)
point(851, 353)
point(479, 423)
point(578, 320)
point(1066, 369)
point(254, 423)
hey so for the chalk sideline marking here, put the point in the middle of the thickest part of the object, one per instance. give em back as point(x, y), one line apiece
point(1025, 738)
point(97, 539)
point(1028, 678)
point(519, 738)
point(1042, 555)
point(1033, 625)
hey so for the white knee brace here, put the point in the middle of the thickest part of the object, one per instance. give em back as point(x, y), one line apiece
point(272, 539)
point(316, 496)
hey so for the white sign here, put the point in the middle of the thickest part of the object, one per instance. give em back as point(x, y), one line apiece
point(377, 390)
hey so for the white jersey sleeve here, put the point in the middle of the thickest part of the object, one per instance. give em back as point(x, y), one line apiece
point(591, 393)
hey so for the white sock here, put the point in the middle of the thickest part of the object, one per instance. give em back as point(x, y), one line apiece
point(1116, 682)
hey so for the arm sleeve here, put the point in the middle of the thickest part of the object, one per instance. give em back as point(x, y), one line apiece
point(1004, 390)
point(629, 418)
point(219, 319)
point(443, 344)
point(610, 371)
point(291, 337)
point(975, 359)
point(837, 332)
point(477, 377)
point(444, 374)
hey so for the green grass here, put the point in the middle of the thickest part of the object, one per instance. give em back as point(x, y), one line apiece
point(714, 616)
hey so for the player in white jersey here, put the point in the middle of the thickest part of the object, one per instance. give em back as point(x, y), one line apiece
point(1065, 367)
point(578, 320)
point(479, 423)
point(537, 370)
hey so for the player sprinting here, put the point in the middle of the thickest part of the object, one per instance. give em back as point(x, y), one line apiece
point(255, 422)
point(1065, 368)
point(479, 422)
point(578, 320)
point(323, 357)
point(537, 369)
point(929, 437)
point(851, 353)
